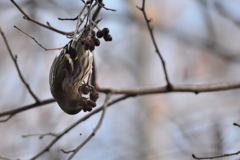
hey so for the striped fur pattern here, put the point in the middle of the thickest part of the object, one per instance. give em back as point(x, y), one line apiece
point(68, 72)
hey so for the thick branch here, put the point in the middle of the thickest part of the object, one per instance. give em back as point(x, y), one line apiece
point(140, 92)
point(175, 88)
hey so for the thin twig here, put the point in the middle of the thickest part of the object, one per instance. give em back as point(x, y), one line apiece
point(103, 6)
point(96, 13)
point(150, 29)
point(38, 43)
point(94, 74)
point(40, 136)
point(76, 150)
point(68, 19)
point(64, 132)
point(215, 157)
point(39, 23)
point(79, 20)
point(14, 58)
point(6, 119)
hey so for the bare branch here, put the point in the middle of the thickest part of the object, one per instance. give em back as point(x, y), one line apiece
point(150, 29)
point(64, 132)
point(14, 58)
point(68, 19)
point(13, 112)
point(139, 92)
point(40, 136)
point(76, 150)
point(175, 88)
point(214, 157)
point(6, 119)
point(103, 6)
point(25, 16)
point(38, 43)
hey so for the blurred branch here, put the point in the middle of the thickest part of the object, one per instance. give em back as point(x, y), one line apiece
point(48, 26)
point(222, 11)
point(211, 33)
point(76, 150)
point(236, 124)
point(4, 158)
point(64, 132)
point(220, 155)
point(204, 43)
point(195, 41)
point(14, 58)
point(38, 43)
point(150, 29)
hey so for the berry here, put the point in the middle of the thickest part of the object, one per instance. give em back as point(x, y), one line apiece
point(96, 42)
point(105, 31)
point(85, 89)
point(107, 37)
point(99, 34)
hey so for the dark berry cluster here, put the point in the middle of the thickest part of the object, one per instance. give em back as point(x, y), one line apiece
point(105, 34)
point(92, 41)
point(89, 102)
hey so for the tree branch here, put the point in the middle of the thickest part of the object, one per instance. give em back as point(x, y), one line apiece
point(48, 26)
point(236, 124)
point(76, 150)
point(40, 136)
point(34, 39)
point(14, 58)
point(140, 92)
point(150, 29)
point(13, 112)
point(214, 157)
point(64, 132)
point(175, 88)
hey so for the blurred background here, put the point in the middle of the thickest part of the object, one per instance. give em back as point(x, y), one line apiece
point(199, 40)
